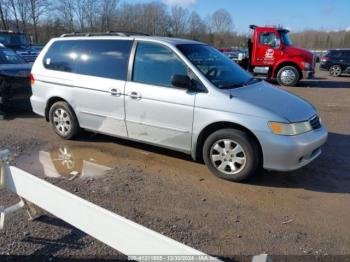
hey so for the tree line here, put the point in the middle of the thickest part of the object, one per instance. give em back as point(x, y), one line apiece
point(44, 19)
point(313, 39)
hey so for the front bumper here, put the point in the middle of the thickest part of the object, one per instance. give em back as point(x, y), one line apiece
point(287, 153)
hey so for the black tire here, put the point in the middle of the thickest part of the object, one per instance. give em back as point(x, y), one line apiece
point(335, 70)
point(250, 152)
point(283, 81)
point(69, 116)
point(2, 99)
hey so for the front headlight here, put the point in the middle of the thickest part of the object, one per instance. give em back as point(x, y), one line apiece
point(290, 129)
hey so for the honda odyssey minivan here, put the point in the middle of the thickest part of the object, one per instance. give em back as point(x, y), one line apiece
point(174, 93)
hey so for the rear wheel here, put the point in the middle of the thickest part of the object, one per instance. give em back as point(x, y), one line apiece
point(2, 99)
point(288, 76)
point(63, 120)
point(231, 154)
point(335, 70)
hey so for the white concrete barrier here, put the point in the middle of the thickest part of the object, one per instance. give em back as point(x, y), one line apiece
point(116, 231)
point(126, 236)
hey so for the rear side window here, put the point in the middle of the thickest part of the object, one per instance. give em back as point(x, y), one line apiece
point(156, 65)
point(101, 58)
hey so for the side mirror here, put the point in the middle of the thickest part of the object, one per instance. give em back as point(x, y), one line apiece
point(182, 81)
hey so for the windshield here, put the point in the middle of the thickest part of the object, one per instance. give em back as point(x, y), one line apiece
point(285, 38)
point(217, 67)
point(14, 40)
point(10, 57)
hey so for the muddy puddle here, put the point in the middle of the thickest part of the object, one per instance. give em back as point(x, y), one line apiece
point(69, 162)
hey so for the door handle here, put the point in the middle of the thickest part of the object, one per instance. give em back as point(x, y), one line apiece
point(135, 95)
point(115, 92)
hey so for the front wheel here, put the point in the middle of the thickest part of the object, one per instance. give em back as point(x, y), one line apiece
point(231, 154)
point(288, 76)
point(335, 70)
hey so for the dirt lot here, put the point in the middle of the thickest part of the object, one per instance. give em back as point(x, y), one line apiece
point(305, 213)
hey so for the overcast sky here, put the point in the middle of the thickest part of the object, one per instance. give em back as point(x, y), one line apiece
point(294, 14)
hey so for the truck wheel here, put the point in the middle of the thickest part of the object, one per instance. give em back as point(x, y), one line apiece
point(288, 76)
point(335, 70)
point(231, 154)
point(63, 120)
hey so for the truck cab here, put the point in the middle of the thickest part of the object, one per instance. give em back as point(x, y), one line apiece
point(20, 43)
point(271, 53)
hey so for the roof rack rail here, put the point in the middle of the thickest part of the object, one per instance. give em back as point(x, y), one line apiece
point(108, 33)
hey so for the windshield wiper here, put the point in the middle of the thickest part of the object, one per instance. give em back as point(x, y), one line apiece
point(233, 85)
point(250, 81)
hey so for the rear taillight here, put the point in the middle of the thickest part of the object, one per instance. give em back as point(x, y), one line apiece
point(324, 59)
point(32, 79)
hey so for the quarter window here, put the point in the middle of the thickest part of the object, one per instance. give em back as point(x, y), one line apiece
point(101, 58)
point(156, 65)
point(60, 56)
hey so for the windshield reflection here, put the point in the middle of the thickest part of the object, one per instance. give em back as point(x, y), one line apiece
point(217, 67)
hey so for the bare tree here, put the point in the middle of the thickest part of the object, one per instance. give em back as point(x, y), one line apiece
point(178, 21)
point(13, 8)
point(197, 27)
point(23, 9)
point(221, 21)
point(66, 14)
point(155, 19)
point(80, 12)
point(130, 18)
point(107, 13)
point(37, 8)
point(91, 9)
point(4, 14)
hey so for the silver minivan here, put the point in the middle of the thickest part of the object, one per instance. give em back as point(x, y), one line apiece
point(174, 93)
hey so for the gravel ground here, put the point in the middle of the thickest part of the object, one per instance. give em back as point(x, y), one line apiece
point(297, 216)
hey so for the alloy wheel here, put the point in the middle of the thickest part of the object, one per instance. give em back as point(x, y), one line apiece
point(335, 70)
point(228, 156)
point(62, 121)
point(288, 76)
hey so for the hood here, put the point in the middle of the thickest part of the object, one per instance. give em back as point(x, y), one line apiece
point(296, 51)
point(15, 70)
point(275, 100)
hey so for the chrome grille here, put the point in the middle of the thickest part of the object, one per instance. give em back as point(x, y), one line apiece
point(315, 122)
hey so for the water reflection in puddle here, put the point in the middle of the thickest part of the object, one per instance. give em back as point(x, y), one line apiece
point(75, 162)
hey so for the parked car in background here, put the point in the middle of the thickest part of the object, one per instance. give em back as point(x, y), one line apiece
point(318, 54)
point(336, 61)
point(20, 43)
point(14, 79)
point(235, 54)
point(174, 93)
